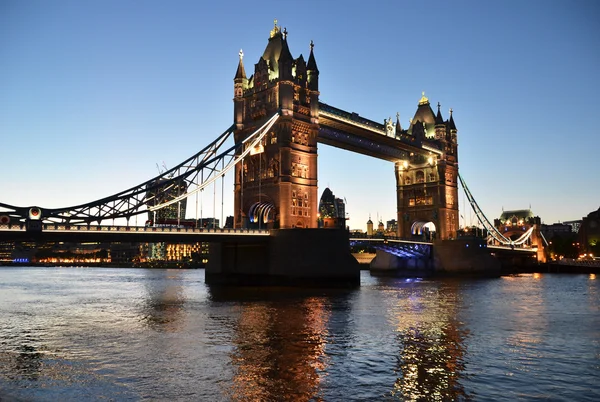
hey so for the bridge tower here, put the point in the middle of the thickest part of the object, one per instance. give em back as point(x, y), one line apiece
point(427, 185)
point(276, 185)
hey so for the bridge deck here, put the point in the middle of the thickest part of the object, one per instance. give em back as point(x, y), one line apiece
point(62, 232)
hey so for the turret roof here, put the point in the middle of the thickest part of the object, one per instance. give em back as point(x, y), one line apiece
point(438, 116)
point(312, 64)
point(424, 112)
point(519, 213)
point(273, 50)
point(240, 73)
point(451, 124)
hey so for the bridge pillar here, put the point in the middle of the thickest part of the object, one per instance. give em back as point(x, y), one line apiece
point(276, 184)
point(292, 257)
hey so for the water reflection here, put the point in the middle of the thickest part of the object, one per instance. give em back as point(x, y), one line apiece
point(165, 300)
point(431, 343)
point(279, 351)
point(24, 363)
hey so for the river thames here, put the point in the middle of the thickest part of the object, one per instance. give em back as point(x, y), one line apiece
point(99, 334)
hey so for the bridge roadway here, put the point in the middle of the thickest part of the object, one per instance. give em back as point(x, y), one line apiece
point(136, 234)
point(58, 232)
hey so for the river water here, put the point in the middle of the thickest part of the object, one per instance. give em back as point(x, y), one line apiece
point(101, 334)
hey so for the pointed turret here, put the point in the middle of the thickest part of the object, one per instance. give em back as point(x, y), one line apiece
point(312, 71)
point(312, 64)
point(285, 60)
point(241, 72)
point(273, 51)
point(425, 115)
point(451, 124)
point(438, 117)
point(301, 72)
point(240, 84)
point(440, 125)
point(398, 126)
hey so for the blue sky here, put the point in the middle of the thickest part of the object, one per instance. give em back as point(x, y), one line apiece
point(94, 94)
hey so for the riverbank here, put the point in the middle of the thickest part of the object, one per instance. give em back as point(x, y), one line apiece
point(553, 267)
point(158, 265)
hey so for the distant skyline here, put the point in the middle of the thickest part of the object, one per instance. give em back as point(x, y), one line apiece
point(95, 94)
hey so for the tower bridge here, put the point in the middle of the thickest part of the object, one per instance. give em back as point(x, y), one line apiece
point(277, 184)
point(278, 122)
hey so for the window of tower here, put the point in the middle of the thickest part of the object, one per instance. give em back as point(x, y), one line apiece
point(420, 177)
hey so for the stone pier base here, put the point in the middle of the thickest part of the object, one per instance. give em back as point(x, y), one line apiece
point(460, 257)
point(289, 257)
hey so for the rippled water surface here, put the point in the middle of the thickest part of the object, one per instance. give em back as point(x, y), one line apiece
point(130, 334)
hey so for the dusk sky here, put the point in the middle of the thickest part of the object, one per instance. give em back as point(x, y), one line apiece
point(94, 94)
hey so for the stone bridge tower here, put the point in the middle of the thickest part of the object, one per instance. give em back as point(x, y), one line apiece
point(427, 185)
point(276, 185)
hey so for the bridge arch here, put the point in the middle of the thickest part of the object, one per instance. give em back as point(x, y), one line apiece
point(423, 228)
point(261, 213)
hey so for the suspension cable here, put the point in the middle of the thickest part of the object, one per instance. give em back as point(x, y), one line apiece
point(495, 233)
point(254, 139)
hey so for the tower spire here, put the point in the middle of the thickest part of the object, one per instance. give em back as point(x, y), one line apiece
point(398, 126)
point(312, 64)
point(451, 124)
point(438, 116)
point(240, 73)
point(275, 29)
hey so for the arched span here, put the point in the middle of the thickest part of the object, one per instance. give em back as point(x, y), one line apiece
point(261, 212)
point(420, 228)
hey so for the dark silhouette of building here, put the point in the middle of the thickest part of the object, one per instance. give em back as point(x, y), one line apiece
point(163, 191)
point(332, 211)
point(589, 233)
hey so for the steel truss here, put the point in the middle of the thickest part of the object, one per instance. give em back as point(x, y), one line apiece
point(169, 187)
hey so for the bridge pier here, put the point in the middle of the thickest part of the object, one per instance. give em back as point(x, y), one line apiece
point(385, 263)
point(459, 257)
point(289, 257)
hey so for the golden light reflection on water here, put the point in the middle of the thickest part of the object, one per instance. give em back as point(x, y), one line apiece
point(279, 351)
point(430, 342)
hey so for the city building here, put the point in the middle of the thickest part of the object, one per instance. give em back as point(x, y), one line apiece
point(575, 225)
point(369, 227)
point(392, 227)
point(160, 192)
point(589, 234)
point(332, 211)
point(209, 223)
point(557, 229)
point(380, 229)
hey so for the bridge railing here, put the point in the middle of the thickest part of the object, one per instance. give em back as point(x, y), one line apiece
point(388, 239)
point(58, 227)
